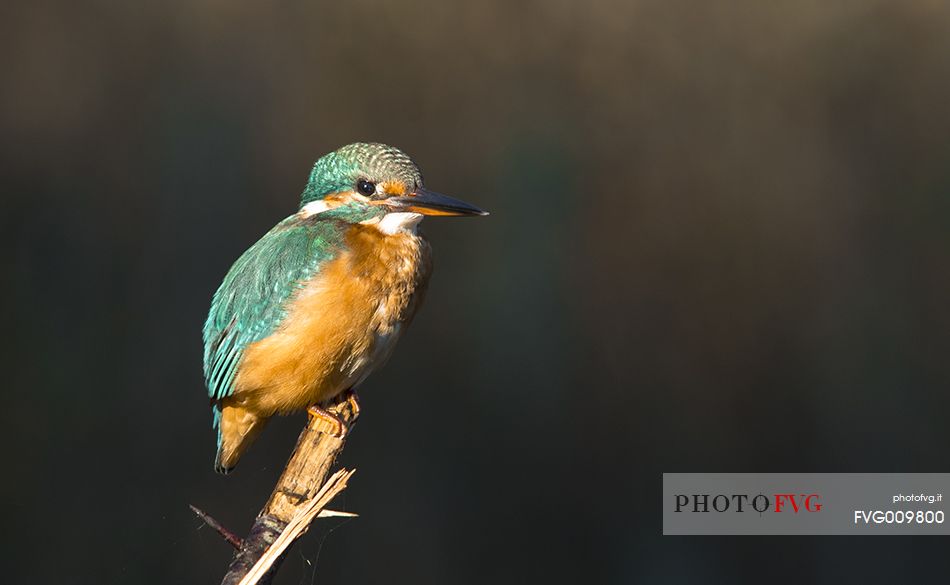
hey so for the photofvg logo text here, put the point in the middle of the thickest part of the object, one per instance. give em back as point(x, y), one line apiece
point(741, 503)
point(804, 503)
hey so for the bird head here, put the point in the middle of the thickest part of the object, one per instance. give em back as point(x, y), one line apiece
point(373, 175)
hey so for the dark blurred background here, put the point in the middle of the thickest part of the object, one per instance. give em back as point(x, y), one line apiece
point(719, 241)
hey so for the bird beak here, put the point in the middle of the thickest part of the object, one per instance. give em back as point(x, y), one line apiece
point(431, 203)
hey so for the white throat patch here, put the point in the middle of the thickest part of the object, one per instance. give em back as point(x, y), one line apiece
point(389, 224)
point(400, 221)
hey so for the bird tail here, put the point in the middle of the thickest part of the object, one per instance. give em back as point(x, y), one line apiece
point(237, 428)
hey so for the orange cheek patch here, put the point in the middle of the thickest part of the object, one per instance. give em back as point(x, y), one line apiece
point(394, 188)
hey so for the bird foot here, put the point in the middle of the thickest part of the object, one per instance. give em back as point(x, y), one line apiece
point(333, 424)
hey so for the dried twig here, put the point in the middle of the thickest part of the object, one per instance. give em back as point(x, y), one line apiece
point(233, 539)
point(297, 526)
point(300, 495)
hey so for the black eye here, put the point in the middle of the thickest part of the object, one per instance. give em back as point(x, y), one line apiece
point(366, 188)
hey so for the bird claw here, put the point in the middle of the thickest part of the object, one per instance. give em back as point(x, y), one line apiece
point(353, 400)
point(333, 426)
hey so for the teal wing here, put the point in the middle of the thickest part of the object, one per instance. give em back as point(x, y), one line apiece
point(252, 300)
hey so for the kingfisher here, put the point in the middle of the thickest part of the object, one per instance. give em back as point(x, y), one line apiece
point(318, 303)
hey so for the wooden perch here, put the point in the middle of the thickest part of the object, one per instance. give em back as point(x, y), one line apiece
point(300, 495)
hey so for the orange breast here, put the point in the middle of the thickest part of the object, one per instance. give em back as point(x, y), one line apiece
point(339, 327)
